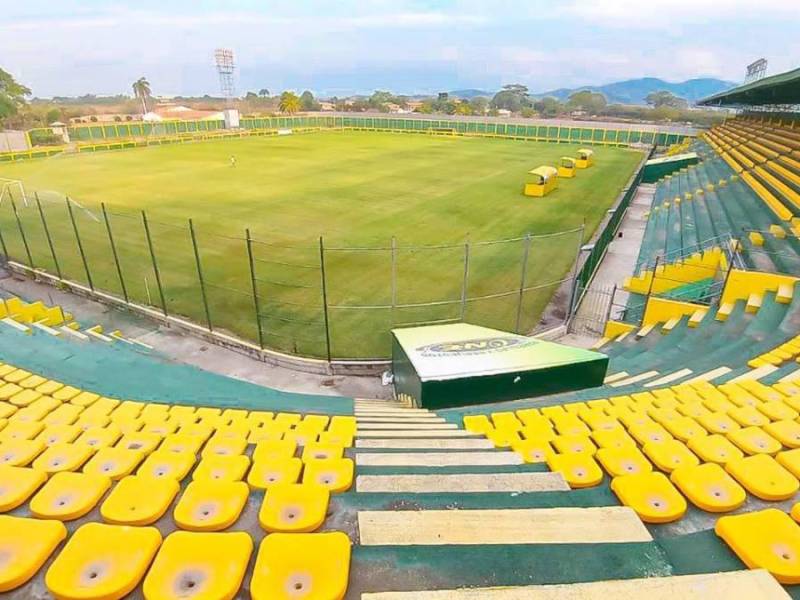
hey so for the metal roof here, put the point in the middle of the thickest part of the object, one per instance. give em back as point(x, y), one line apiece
point(783, 88)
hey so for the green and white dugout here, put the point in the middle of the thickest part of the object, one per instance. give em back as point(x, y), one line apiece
point(441, 366)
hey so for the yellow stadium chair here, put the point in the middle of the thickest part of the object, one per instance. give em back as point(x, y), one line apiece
point(27, 544)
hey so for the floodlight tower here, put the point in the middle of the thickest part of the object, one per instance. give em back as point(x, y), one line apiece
point(223, 60)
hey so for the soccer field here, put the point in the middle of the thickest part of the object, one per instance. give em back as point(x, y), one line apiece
point(358, 190)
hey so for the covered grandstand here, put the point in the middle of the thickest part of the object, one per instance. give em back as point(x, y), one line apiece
point(124, 473)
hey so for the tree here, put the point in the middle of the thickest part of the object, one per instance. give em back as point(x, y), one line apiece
point(548, 106)
point(665, 98)
point(463, 108)
point(12, 95)
point(141, 90)
point(512, 97)
point(479, 105)
point(307, 101)
point(263, 92)
point(588, 101)
point(289, 103)
point(53, 115)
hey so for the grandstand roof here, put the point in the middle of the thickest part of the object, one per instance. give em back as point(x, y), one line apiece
point(783, 88)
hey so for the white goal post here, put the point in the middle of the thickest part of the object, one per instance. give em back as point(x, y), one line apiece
point(12, 189)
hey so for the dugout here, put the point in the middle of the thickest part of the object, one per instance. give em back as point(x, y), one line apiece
point(566, 167)
point(458, 364)
point(544, 181)
point(585, 158)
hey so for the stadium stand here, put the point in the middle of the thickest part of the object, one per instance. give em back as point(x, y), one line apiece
point(677, 478)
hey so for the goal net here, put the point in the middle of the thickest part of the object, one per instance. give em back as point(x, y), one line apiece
point(12, 189)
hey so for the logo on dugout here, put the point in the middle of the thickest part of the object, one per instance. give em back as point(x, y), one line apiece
point(475, 347)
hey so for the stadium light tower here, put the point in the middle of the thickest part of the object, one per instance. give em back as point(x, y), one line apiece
point(223, 60)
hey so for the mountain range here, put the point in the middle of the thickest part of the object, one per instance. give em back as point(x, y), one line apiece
point(631, 91)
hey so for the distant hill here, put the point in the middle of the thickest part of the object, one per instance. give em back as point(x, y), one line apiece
point(470, 94)
point(634, 91)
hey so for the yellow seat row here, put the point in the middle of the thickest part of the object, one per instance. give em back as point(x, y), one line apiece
point(110, 561)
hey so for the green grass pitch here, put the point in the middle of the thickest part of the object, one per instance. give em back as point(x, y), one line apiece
point(356, 189)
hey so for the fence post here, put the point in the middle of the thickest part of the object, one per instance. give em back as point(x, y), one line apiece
point(3, 244)
point(523, 276)
point(611, 303)
point(464, 282)
point(650, 288)
point(200, 275)
point(394, 279)
point(155, 264)
point(114, 253)
point(47, 234)
point(22, 233)
point(573, 293)
point(80, 245)
point(324, 299)
point(249, 242)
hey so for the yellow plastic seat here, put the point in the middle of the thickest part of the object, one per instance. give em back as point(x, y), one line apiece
point(21, 430)
point(290, 566)
point(506, 420)
point(84, 399)
point(163, 428)
point(17, 484)
point(684, 429)
point(709, 487)
point(747, 416)
point(714, 448)
point(152, 412)
point(25, 545)
point(139, 500)
point(718, 422)
point(569, 424)
point(66, 414)
point(207, 411)
point(222, 468)
point(579, 469)
point(539, 431)
point(257, 418)
point(8, 389)
point(787, 432)
point(532, 451)
point(764, 477)
point(626, 460)
point(24, 397)
point(553, 411)
point(651, 495)
point(766, 539)
point(32, 412)
point(693, 409)
point(230, 445)
point(102, 406)
point(199, 566)
point(164, 464)
point(567, 444)
point(146, 442)
point(319, 451)
point(102, 561)
point(754, 440)
point(649, 432)
point(335, 438)
point(662, 415)
point(58, 434)
point(790, 460)
point(114, 463)
point(202, 431)
point(614, 438)
point(267, 434)
point(68, 495)
point(89, 421)
point(210, 505)
point(777, 410)
point(795, 512)
point(294, 507)
point(20, 453)
point(529, 415)
point(669, 455)
point(66, 393)
point(100, 437)
point(301, 438)
point(181, 442)
point(62, 457)
point(334, 473)
point(270, 471)
point(6, 410)
point(274, 449)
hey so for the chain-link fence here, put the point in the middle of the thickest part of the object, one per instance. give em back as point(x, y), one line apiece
point(308, 299)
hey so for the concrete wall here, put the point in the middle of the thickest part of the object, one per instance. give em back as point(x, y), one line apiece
point(13, 141)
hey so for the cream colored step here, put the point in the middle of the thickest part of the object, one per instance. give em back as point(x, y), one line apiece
point(417, 433)
point(609, 524)
point(405, 425)
point(462, 483)
point(464, 444)
point(437, 459)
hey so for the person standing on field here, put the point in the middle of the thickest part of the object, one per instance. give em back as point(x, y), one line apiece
point(233, 160)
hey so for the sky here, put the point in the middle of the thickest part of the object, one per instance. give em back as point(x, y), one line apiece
point(342, 47)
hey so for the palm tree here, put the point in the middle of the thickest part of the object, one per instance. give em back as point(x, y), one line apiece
point(290, 103)
point(141, 90)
